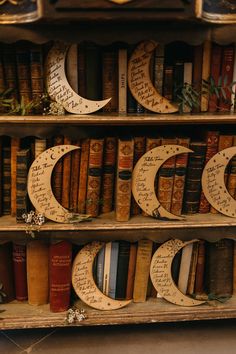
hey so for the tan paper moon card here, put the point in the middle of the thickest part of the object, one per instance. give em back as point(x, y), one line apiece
point(83, 282)
point(161, 277)
point(143, 179)
point(213, 183)
point(140, 83)
point(59, 88)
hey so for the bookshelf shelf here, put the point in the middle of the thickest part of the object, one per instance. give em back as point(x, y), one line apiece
point(23, 315)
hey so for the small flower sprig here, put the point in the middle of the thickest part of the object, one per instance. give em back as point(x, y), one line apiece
point(75, 315)
point(34, 222)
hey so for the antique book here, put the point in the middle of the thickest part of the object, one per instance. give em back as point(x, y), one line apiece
point(37, 71)
point(113, 269)
point(95, 166)
point(227, 77)
point(57, 171)
point(131, 101)
point(197, 74)
point(131, 270)
point(74, 178)
point(9, 66)
point(40, 145)
point(6, 178)
point(122, 269)
point(206, 63)
point(159, 68)
point(108, 176)
point(22, 199)
point(82, 190)
point(122, 80)
point(216, 59)
point(109, 79)
point(200, 269)
point(212, 141)
point(184, 268)
point(196, 162)
point(125, 156)
point(192, 270)
point(6, 271)
point(143, 260)
point(60, 263)
point(219, 268)
point(15, 146)
point(37, 253)
point(72, 66)
point(100, 268)
point(106, 271)
point(23, 71)
point(181, 162)
point(168, 82)
point(19, 267)
point(65, 198)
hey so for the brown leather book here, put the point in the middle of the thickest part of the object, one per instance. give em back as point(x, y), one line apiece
point(192, 270)
point(216, 58)
point(6, 271)
point(227, 69)
point(212, 141)
point(6, 178)
point(83, 175)
point(9, 64)
point(181, 162)
point(108, 178)
point(19, 266)
point(219, 268)
point(110, 79)
point(197, 73)
point(37, 253)
point(23, 71)
point(37, 72)
point(15, 146)
point(60, 259)
point(200, 269)
point(166, 177)
point(74, 178)
point(131, 270)
point(65, 198)
point(57, 172)
point(143, 260)
point(125, 155)
point(95, 166)
point(168, 82)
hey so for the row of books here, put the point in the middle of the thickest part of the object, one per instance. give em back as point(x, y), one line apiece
point(97, 178)
point(39, 272)
point(99, 72)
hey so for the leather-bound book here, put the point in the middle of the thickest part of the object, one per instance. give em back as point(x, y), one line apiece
point(95, 166)
point(106, 272)
point(196, 162)
point(227, 69)
point(37, 265)
point(197, 73)
point(109, 79)
point(122, 269)
point(82, 191)
point(166, 177)
point(219, 268)
point(206, 64)
point(65, 198)
point(122, 81)
point(159, 68)
point(15, 146)
point(143, 260)
point(184, 268)
point(192, 270)
point(6, 178)
point(212, 140)
point(23, 71)
point(215, 75)
point(181, 162)
point(74, 178)
point(37, 72)
point(125, 156)
point(131, 270)
point(57, 172)
point(131, 101)
point(6, 271)
point(108, 178)
point(60, 261)
point(139, 150)
point(168, 82)
point(200, 269)
point(40, 146)
point(9, 65)
point(113, 269)
point(20, 276)
point(22, 167)
point(100, 268)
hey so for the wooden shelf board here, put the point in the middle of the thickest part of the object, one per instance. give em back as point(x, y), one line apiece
point(23, 315)
point(115, 119)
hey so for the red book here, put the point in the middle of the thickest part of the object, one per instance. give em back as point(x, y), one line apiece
point(19, 267)
point(227, 76)
point(60, 260)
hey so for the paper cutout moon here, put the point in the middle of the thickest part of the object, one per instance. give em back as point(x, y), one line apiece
point(140, 83)
point(39, 183)
point(143, 178)
point(59, 88)
point(161, 277)
point(213, 183)
point(83, 282)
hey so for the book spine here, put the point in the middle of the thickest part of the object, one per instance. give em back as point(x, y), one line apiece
point(110, 153)
point(131, 271)
point(200, 268)
point(37, 72)
point(19, 266)
point(22, 166)
point(124, 178)
point(6, 271)
point(15, 146)
point(37, 267)
point(74, 178)
point(122, 81)
point(95, 166)
point(206, 63)
point(72, 67)
point(93, 73)
point(227, 76)
point(215, 75)
point(39, 147)
point(192, 270)
point(159, 68)
point(100, 268)
point(168, 82)
point(185, 268)
point(65, 199)
point(9, 64)
point(179, 178)
point(57, 172)
point(113, 269)
point(83, 175)
point(106, 272)
point(212, 140)
point(6, 180)
point(109, 73)
point(60, 259)
point(23, 72)
point(122, 269)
